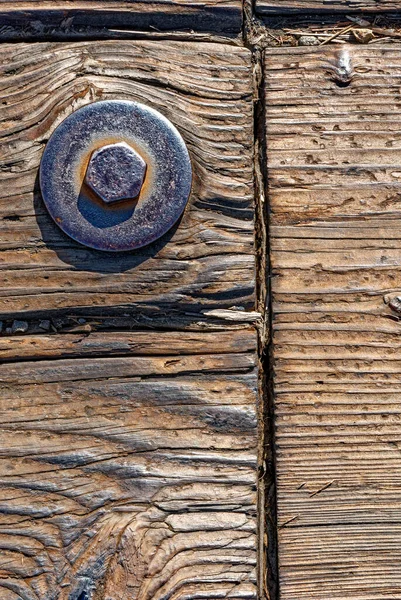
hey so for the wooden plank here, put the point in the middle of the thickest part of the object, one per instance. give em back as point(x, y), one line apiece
point(297, 7)
point(131, 477)
point(334, 155)
point(35, 18)
point(207, 262)
point(135, 343)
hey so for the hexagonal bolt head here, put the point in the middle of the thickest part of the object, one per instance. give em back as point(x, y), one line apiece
point(116, 172)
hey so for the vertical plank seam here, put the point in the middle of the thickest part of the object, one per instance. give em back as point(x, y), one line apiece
point(268, 476)
point(267, 559)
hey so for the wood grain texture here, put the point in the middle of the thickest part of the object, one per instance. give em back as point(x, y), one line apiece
point(46, 18)
point(296, 7)
point(334, 156)
point(207, 262)
point(135, 343)
point(130, 476)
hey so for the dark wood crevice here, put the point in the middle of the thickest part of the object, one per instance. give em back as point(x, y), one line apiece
point(36, 20)
point(268, 567)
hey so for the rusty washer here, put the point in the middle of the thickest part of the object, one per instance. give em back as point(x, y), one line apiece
point(115, 175)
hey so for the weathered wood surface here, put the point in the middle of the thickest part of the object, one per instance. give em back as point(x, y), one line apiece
point(207, 262)
point(129, 458)
point(296, 7)
point(133, 476)
point(334, 156)
point(135, 343)
point(63, 17)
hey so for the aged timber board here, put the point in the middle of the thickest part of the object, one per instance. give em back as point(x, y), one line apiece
point(334, 156)
point(35, 18)
point(207, 261)
point(297, 7)
point(129, 456)
point(131, 477)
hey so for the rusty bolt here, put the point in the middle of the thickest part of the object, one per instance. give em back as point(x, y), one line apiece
point(116, 172)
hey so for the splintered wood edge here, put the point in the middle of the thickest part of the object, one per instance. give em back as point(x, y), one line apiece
point(123, 343)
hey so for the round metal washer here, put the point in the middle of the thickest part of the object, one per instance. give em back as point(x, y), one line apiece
point(130, 224)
